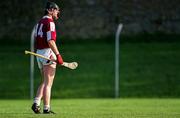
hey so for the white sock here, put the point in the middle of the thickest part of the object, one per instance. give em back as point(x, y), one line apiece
point(46, 107)
point(37, 101)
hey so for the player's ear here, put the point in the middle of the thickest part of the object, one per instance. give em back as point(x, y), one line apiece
point(50, 11)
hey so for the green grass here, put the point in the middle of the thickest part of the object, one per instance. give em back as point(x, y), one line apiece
point(96, 108)
point(147, 69)
point(151, 67)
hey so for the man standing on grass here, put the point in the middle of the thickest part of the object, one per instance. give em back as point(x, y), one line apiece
point(45, 43)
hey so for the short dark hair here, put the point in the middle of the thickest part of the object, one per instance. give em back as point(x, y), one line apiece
point(50, 5)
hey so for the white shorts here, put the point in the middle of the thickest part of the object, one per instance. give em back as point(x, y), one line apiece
point(47, 53)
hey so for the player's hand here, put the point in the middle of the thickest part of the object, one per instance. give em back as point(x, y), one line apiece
point(59, 59)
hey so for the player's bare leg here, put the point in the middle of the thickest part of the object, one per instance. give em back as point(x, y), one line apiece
point(39, 93)
point(37, 100)
point(49, 73)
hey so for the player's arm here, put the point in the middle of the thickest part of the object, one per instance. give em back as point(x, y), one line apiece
point(54, 48)
point(51, 36)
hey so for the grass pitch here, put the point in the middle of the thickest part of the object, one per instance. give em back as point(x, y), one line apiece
point(147, 70)
point(96, 108)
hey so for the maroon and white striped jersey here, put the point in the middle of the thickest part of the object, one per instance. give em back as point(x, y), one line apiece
point(44, 31)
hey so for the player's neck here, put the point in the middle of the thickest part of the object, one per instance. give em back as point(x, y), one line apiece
point(48, 16)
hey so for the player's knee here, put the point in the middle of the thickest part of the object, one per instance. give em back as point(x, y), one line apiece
point(48, 84)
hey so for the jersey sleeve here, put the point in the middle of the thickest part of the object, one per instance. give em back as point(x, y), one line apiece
point(51, 31)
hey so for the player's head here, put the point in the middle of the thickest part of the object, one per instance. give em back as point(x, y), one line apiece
point(52, 9)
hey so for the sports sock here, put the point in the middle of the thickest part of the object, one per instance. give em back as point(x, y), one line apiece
point(37, 101)
point(46, 107)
